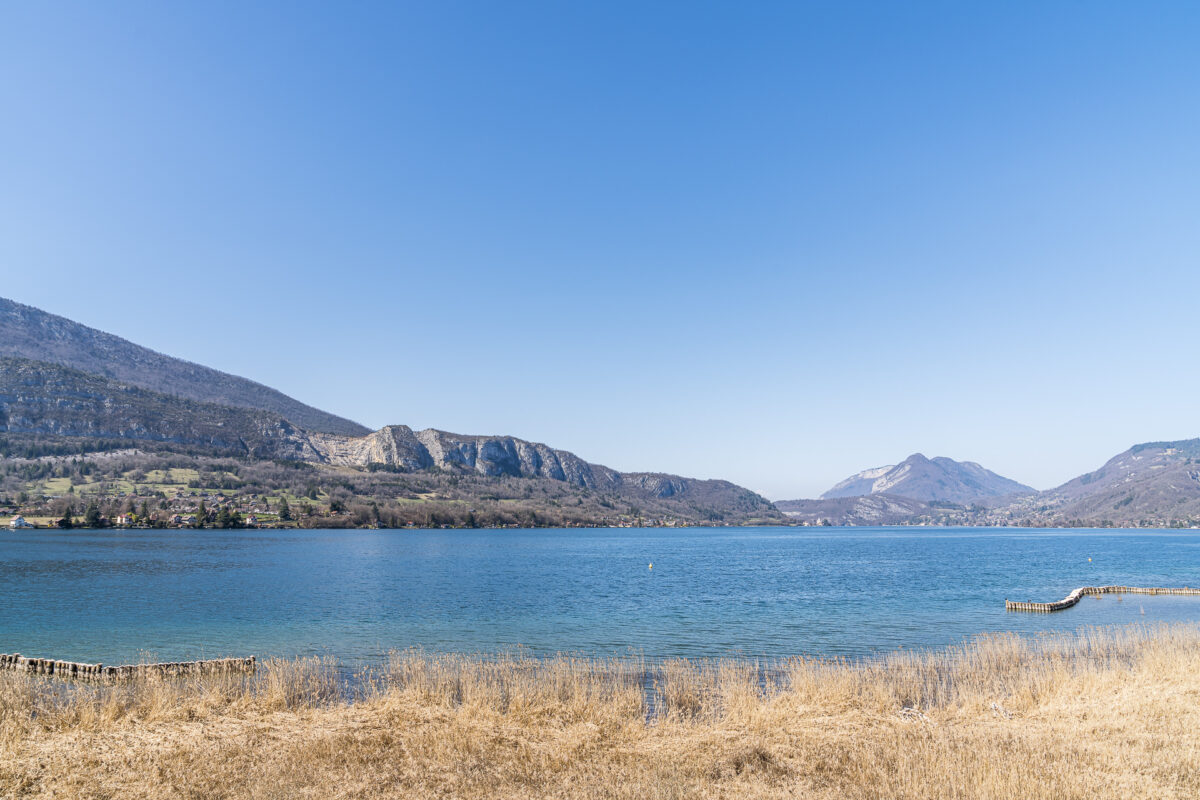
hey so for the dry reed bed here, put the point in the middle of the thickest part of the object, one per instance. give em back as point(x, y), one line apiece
point(1100, 713)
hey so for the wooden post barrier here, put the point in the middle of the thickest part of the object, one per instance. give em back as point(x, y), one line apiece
point(15, 662)
point(1073, 597)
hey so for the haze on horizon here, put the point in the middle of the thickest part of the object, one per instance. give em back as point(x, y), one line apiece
point(776, 244)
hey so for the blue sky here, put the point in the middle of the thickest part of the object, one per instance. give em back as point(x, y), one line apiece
point(774, 243)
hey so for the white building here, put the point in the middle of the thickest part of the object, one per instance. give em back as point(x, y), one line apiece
point(18, 522)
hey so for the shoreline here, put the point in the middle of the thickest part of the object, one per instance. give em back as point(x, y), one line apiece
point(1096, 713)
point(360, 669)
point(688, 526)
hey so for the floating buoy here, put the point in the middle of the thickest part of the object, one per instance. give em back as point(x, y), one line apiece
point(651, 566)
point(1089, 561)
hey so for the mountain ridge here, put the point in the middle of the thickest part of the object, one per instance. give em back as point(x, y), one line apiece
point(938, 479)
point(1150, 484)
point(1134, 485)
point(52, 400)
point(31, 333)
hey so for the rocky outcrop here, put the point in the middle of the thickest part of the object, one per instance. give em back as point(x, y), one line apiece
point(394, 446)
point(657, 485)
point(49, 399)
point(505, 455)
point(399, 447)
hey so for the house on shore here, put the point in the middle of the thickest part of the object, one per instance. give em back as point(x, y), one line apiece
point(18, 523)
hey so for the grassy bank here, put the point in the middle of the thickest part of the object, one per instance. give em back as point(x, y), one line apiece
point(1105, 713)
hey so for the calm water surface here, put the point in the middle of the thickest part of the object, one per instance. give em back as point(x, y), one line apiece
point(113, 596)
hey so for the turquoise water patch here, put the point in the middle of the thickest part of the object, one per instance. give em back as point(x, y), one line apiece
point(115, 596)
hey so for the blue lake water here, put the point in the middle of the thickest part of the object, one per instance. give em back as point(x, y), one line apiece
point(115, 596)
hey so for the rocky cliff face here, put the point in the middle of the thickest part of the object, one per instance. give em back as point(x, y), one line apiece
point(504, 455)
point(399, 447)
point(394, 446)
point(49, 399)
point(52, 400)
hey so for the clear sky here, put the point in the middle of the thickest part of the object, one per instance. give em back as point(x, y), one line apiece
point(774, 243)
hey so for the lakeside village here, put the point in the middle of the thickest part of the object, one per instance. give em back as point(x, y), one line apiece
point(216, 511)
point(200, 509)
point(125, 488)
point(184, 509)
point(152, 510)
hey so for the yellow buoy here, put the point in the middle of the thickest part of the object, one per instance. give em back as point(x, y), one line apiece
point(1089, 561)
point(651, 566)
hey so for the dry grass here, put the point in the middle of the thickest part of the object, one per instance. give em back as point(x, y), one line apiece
point(1104, 713)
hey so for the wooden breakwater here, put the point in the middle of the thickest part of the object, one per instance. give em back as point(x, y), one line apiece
point(74, 669)
point(1073, 597)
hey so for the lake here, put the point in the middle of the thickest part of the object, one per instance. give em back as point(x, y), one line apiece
point(120, 595)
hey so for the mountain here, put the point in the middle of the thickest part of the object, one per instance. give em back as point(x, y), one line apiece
point(50, 402)
point(398, 446)
point(872, 509)
point(930, 480)
point(27, 332)
point(1153, 482)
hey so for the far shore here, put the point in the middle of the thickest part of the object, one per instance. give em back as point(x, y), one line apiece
point(50, 524)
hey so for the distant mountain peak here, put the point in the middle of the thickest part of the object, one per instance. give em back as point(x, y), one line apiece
point(939, 479)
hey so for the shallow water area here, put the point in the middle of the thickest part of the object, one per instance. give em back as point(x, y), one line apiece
point(121, 596)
